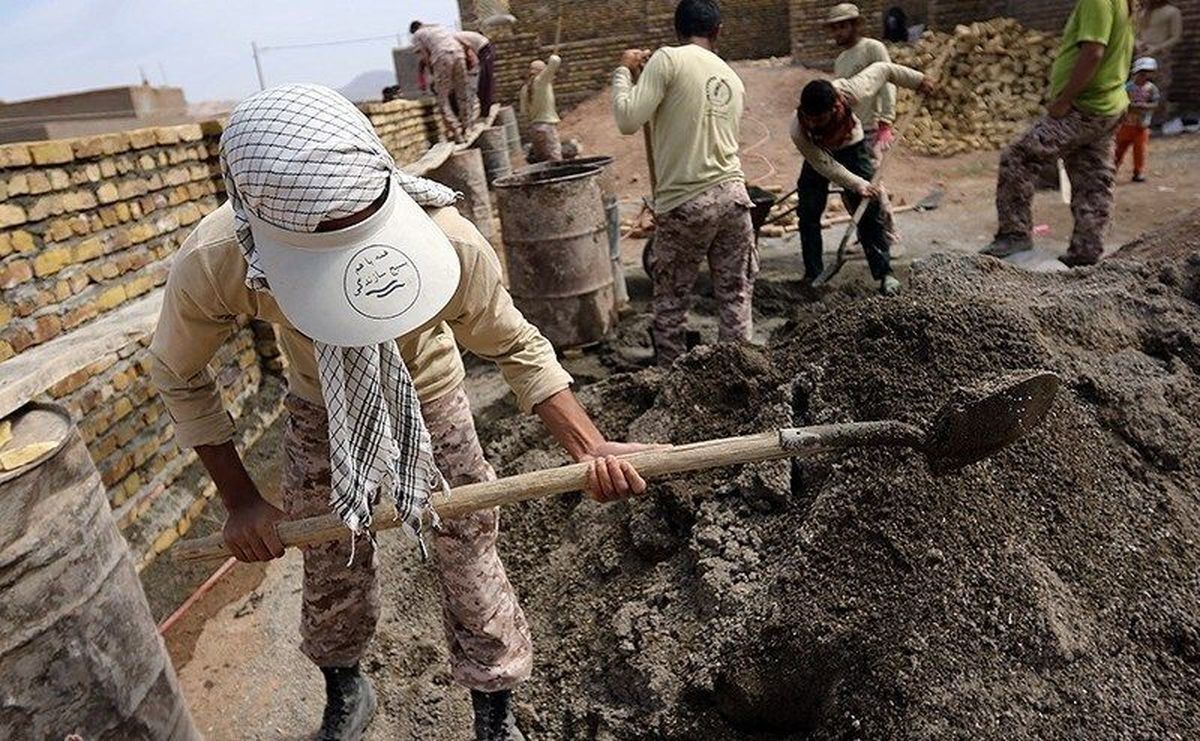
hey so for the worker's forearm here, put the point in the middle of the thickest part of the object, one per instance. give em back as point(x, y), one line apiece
point(569, 423)
point(628, 110)
point(1083, 72)
point(233, 481)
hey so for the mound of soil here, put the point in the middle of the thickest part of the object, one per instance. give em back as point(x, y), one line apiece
point(1047, 592)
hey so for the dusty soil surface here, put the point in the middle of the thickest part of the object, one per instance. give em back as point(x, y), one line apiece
point(1047, 593)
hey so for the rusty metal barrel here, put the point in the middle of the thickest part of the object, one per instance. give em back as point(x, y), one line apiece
point(463, 171)
point(507, 117)
point(555, 239)
point(493, 143)
point(79, 651)
point(608, 192)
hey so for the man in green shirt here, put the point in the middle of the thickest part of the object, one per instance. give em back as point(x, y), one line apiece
point(1088, 99)
point(693, 101)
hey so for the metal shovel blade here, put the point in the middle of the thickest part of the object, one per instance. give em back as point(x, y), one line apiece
point(973, 425)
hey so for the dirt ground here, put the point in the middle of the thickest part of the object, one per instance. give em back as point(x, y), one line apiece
point(856, 597)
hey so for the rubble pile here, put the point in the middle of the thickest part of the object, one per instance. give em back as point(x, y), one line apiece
point(994, 76)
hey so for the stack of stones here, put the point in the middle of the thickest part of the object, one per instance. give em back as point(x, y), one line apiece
point(407, 127)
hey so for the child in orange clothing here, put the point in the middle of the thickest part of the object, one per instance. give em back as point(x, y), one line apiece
point(1135, 129)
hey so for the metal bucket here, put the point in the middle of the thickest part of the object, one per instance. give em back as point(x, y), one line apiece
point(512, 130)
point(79, 652)
point(463, 171)
point(556, 241)
point(493, 143)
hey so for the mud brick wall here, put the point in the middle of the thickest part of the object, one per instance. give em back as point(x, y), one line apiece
point(407, 127)
point(593, 35)
point(88, 224)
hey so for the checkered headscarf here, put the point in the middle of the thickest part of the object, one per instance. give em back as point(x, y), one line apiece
point(295, 156)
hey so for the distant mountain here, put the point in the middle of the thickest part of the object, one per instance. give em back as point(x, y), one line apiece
point(368, 85)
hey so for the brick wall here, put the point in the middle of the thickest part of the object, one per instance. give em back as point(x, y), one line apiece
point(407, 127)
point(87, 230)
point(593, 35)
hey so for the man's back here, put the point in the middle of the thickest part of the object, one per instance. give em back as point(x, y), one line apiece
point(695, 122)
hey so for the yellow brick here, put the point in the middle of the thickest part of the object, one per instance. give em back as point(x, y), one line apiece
point(59, 179)
point(60, 229)
point(5, 314)
point(11, 215)
point(183, 525)
point(189, 132)
point(142, 138)
point(22, 241)
point(51, 153)
point(123, 212)
point(165, 540)
point(167, 135)
point(112, 298)
point(107, 193)
point(122, 408)
point(146, 162)
point(6, 351)
point(196, 508)
point(51, 261)
point(142, 232)
point(88, 249)
point(6, 247)
point(15, 155)
point(18, 184)
point(138, 286)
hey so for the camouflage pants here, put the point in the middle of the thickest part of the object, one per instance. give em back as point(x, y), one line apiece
point(544, 144)
point(1085, 143)
point(488, 637)
point(715, 224)
point(453, 87)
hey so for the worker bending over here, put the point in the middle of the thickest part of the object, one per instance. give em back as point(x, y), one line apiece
point(693, 101)
point(537, 105)
point(1088, 100)
point(443, 54)
point(830, 136)
point(373, 279)
point(481, 67)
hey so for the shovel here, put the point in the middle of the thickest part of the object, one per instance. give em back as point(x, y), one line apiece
point(968, 428)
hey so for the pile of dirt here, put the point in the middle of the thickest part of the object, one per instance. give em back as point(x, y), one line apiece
point(1048, 592)
point(993, 81)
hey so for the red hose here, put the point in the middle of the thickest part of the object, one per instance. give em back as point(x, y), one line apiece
point(209, 583)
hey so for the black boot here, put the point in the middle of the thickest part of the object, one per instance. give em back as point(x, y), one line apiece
point(494, 719)
point(349, 704)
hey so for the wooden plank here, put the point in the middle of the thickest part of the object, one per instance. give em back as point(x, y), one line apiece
point(29, 374)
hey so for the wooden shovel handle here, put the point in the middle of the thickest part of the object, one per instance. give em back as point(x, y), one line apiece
point(731, 451)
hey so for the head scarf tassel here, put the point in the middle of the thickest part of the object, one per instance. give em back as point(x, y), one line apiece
point(295, 156)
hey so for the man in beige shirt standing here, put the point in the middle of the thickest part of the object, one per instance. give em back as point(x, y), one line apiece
point(373, 280)
point(693, 102)
point(876, 112)
point(443, 54)
point(1160, 29)
point(537, 104)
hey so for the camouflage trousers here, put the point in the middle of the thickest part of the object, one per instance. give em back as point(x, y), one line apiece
point(488, 636)
point(715, 224)
point(544, 144)
point(1085, 143)
point(453, 86)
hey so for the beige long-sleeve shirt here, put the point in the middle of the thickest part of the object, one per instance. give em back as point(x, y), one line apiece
point(436, 42)
point(473, 39)
point(880, 107)
point(693, 101)
point(537, 96)
point(207, 289)
point(863, 85)
point(1159, 31)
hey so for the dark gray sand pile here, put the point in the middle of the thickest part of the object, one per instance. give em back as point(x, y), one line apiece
point(1050, 592)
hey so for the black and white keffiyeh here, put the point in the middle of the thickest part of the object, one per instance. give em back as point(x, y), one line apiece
point(295, 156)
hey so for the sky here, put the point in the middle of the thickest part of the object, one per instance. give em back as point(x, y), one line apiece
point(203, 46)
